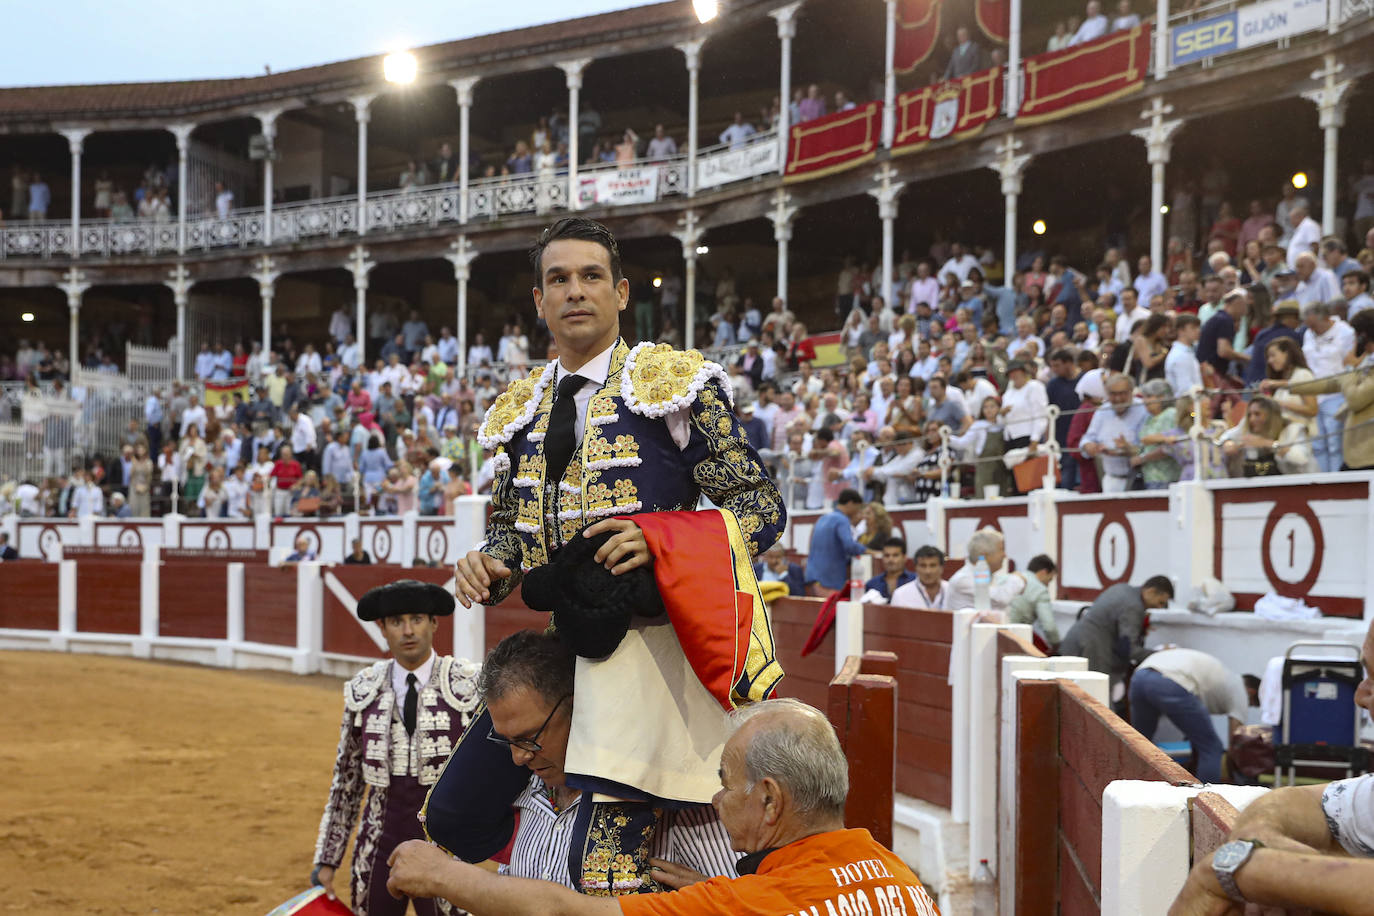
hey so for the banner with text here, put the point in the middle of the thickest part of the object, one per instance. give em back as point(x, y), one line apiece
point(618, 187)
point(833, 143)
point(1247, 27)
point(1085, 76)
point(958, 108)
point(760, 158)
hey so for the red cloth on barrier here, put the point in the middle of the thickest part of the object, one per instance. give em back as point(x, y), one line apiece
point(1094, 73)
point(918, 29)
point(958, 108)
point(833, 143)
point(994, 17)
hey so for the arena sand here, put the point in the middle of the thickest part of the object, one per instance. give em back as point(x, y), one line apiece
point(142, 787)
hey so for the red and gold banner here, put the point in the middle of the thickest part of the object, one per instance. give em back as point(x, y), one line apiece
point(833, 143)
point(223, 392)
point(918, 31)
point(994, 17)
point(958, 108)
point(1083, 77)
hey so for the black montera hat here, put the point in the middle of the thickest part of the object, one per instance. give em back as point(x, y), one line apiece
point(592, 607)
point(406, 596)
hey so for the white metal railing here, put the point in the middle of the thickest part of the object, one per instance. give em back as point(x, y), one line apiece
point(149, 364)
point(1350, 9)
point(395, 210)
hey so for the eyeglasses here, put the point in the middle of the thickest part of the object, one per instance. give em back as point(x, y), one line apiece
point(531, 744)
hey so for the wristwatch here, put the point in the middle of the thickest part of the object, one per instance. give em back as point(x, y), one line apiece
point(1228, 859)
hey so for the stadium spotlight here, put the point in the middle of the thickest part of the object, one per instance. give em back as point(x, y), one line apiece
point(1038, 227)
point(706, 10)
point(658, 282)
point(400, 67)
point(1299, 180)
point(702, 249)
point(27, 316)
point(1164, 209)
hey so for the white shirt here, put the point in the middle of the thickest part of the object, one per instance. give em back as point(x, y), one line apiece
point(1308, 233)
point(479, 354)
point(308, 362)
point(1349, 808)
point(982, 390)
point(351, 355)
point(736, 134)
point(302, 435)
point(27, 495)
point(88, 500)
point(422, 673)
point(899, 490)
point(205, 364)
point(1124, 322)
point(340, 325)
point(596, 369)
point(925, 290)
point(1181, 369)
point(224, 201)
point(960, 267)
point(238, 497)
point(194, 416)
point(1326, 352)
point(1001, 589)
point(1121, 23)
point(1219, 688)
point(913, 595)
point(1027, 416)
point(1092, 27)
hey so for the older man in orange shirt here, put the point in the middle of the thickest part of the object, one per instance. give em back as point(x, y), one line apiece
point(784, 780)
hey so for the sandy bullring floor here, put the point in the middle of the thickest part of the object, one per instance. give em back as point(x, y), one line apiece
point(133, 786)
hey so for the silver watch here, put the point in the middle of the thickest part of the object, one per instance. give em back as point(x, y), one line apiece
point(1227, 860)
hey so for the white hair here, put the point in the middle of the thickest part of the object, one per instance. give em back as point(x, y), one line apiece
point(984, 542)
point(795, 745)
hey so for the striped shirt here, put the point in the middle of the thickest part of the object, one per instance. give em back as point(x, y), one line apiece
point(693, 837)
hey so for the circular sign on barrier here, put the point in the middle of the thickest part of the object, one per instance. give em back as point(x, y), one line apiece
point(436, 544)
point(1114, 547)
point(1292, 549)
point(381, 544)
point(217, 538)
point(310, 532)
point(49, 542)
point(129, 536)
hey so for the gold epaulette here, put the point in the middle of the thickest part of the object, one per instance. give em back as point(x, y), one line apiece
point(658, 380)
point(513, 410)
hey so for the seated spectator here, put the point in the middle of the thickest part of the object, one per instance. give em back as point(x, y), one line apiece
point(988, 544)
point(302, 553)
point(875, 527)
point(928, 591)
point(894, 574)
point(1264, 445)
point(1033, 605)
point(357, 556)
point(305, 495)
point(1155, 456)
point(775, 567)
point(1297, 849)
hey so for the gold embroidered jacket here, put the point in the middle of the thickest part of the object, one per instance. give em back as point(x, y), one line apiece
point(627, 461)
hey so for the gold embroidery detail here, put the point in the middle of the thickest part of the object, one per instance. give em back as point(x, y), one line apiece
point(613, 864)
point(600, 496)
point(531, 465)
point(662, 374)
point(603, 405)
point(510, 404)
point(624, 447)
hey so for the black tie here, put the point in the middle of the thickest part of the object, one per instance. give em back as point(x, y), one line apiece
point(412, 701)
point(559, 441)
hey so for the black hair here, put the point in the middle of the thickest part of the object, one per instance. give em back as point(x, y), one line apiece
point(825, 434)
point(1361, 277)
point(1039, 562)
point(541, 662)
point(1251, 683)
point(1160, 584)
point(1062, 355)
point(929, 550)
point(580, 228)
point(848, 496)
point(895, 542)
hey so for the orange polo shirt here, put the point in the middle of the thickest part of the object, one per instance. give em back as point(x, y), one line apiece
point(843, 871)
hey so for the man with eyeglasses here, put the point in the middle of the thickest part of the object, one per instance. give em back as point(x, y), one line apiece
point(527, 684)
point(401, 718)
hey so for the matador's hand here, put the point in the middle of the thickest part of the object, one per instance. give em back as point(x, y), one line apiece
point(626, 550)
point(474, 575)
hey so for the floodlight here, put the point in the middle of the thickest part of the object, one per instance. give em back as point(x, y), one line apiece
point(706, 10)
point(1039, 227)
point(1300, 180)
point(400, 67)
point(27, 316)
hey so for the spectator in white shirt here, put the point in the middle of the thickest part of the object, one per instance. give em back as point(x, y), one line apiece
point(448, 347)
point(898, 468)
point(194, 415)
point(1025, 406)
point(924, 288)
point(308, 361)
point(960, 263)
point(1326, 344)
point(224, 200)
point(1307, 232)
point(1126, 18)
point(1114, 433)
point(1148, 282)
point(350, 355)
point(1131, 312)
point(205, 362)
point(87, 499)
point(1315, 283)
point(1181, 369)
point(1094, 25)
point(738, 132)
point(340, 325)
point(661, 146)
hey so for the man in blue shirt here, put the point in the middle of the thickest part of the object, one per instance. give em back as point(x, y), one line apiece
point(1062, 393)
point(832, 544)
point(894, 574)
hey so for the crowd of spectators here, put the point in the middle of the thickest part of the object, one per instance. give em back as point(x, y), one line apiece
point(1235, 367)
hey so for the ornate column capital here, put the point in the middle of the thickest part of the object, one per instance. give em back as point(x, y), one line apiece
point(182, 133)
point(464, 86)
point(362, 106)
point(691, 50)
point(786, 17)
point(573, 69)
point(359, 265)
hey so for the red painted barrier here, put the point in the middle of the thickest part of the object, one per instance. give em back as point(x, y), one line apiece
point(30, 588)
point(269, 605)
point(806, 679)
point(862, 705)
point(193, 599)
point(107, 596)
point(921, 641)
point(345, 634)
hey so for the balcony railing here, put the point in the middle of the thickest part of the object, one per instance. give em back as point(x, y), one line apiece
point(397, 210)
